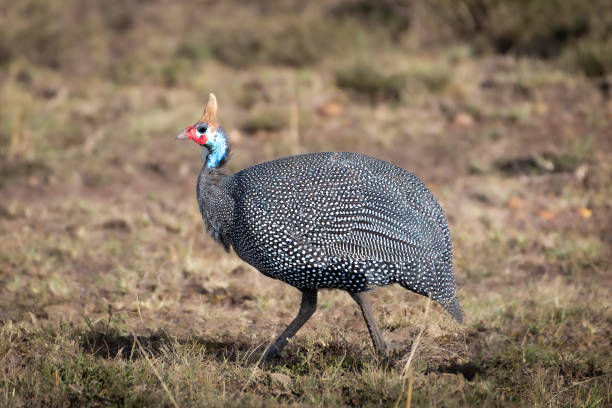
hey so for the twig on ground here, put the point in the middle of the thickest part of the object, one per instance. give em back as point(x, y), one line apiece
point(407, 370)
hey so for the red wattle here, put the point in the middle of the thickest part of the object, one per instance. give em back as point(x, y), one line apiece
point(191, 133)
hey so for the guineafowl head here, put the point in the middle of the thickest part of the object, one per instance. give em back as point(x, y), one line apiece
point(207, 133)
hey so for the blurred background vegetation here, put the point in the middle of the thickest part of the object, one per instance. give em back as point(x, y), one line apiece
point(363, 45)
point(502, 107)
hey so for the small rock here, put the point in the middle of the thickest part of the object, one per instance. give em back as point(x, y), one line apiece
point(33, 181)
point(464, 119)
point(581, 172)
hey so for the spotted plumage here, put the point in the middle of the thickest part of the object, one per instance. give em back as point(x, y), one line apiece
point(328, 220)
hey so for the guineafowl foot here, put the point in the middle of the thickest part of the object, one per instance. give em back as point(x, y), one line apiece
point(394, 350)
point(366, 310)
point(270, 356)
point(307, 308)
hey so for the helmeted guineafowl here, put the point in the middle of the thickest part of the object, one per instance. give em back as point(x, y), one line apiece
point(326, 220)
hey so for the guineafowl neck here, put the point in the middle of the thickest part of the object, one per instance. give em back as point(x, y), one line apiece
point(216, 156)
point(216, 203)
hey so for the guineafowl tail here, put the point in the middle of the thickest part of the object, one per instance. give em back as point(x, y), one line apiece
point(453, 307)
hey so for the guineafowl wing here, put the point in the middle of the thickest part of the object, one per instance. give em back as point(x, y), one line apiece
point(376, 212)
point(338, 205)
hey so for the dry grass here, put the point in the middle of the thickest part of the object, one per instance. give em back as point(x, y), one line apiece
point(110, 294)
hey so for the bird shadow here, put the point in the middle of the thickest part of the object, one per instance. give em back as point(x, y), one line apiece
point(113, 345)
point(300, 358)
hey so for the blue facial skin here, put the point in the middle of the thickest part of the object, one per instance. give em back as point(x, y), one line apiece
point(215, 151)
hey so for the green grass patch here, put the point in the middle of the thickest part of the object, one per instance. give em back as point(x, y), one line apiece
point(371, 83)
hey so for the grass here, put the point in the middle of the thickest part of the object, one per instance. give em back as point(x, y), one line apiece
point(571, 30)
point(367, 81)
point(102, 363)
point(266, 121)
point(111, 295)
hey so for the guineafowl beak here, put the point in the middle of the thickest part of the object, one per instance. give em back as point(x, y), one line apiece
point(183, 134)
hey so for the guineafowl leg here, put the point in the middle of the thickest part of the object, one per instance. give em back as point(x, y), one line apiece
point(377, 340)
point(307, 308)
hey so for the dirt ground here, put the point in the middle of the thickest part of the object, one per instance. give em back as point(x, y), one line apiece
point(111, 294)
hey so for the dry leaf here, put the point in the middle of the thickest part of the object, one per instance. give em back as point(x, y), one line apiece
point(546, 214)
point(331, 109)
point(515, 202)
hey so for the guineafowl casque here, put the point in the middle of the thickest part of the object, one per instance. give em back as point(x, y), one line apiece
point(326, 220)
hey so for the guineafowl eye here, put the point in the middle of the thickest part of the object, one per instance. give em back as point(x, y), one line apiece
point(201, 129)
